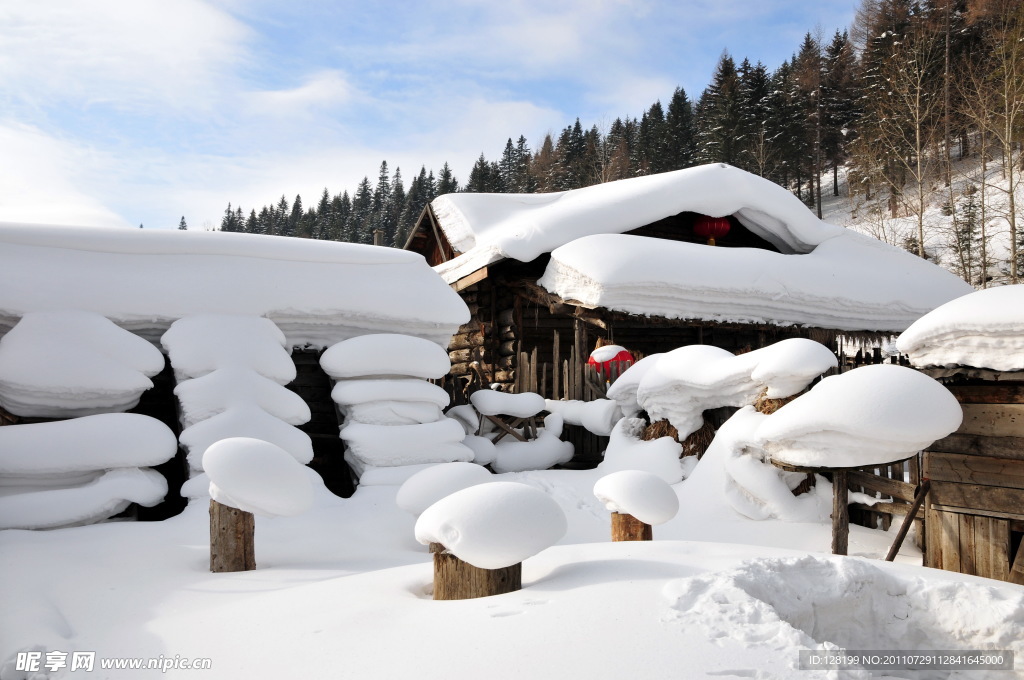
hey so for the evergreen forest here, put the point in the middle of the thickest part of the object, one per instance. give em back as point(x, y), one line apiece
point(889, 105)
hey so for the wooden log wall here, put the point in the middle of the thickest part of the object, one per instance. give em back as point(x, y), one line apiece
point(314, 386)
point(975, 510)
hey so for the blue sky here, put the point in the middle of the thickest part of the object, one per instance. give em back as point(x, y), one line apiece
point(120, 112)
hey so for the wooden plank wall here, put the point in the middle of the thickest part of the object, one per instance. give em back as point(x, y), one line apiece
point(975, 511)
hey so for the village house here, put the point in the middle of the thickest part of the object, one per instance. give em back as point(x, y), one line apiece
point(632, 261)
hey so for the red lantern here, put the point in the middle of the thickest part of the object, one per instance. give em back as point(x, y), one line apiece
point(711, 228)
point(610, 361)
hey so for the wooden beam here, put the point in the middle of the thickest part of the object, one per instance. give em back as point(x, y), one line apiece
point(988, 394)
point(437, 232)
point(909, 520)
point(889, 487)
point(506, 429)
point(973, 444)
point(984, 470)
point(977, 497)
point(470, 279)
point(993, 420)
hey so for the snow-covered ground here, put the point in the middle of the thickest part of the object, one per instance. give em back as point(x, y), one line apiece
point(343, 591)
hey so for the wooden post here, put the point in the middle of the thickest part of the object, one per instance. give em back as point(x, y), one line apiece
point(908, 520)
point(232, 544)
point(840, 513)
point(556, 364)
point(458, 580)
point(628, 528)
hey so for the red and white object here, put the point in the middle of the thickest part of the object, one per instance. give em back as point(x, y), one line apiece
point(610, 360)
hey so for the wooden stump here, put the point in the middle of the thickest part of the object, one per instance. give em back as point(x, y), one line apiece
point(458, 580)
point(628, 528)
point(840, 513)
point(232, 539)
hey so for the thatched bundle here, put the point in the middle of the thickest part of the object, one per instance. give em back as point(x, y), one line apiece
point(694, 445)
point(769, 406)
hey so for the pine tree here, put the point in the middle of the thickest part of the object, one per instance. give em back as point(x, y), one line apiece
point(296, 227)
point(229, 222)
point(182, 225)
point(362, 213)
point(839, 103)
point(757, 151)
point(446, 182)
point(681, 149)
point(718, 115)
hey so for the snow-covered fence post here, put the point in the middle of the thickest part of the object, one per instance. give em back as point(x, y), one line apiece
point(625, 527)
point(479, 537)
point(637, 500)
point(455, 579)
point(249, 476)
point(232, 538)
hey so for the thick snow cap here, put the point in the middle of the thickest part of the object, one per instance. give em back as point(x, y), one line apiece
point(870, 415)
point(983, 330)
point(690, 380)
point(257, 477)
point(317, 292)
point(386, 354)
point(492, 526)
point(494, 403)
point(641, 494)
point(594, 264)
point(201, 344)
point(64, 364)
point(427, 487)
point(99, 442)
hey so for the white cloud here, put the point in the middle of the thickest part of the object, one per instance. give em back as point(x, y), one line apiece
point(125, 53)
point(322, 90)
point(42, 181)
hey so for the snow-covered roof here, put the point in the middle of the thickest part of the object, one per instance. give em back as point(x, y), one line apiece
point(983, 330)
point(823, 275)
point(317, 292)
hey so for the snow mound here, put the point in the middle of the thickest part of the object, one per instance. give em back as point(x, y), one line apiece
point(201, 344)
point(690, 380)
point(386, 354)
point(598, 416)
point(623, 390)
point(391, 445)
point(640, 494)
point(626, 451)
point(483, 449)
point(245, 421)
point(870, 415)
point(219, 390)
point(426, 487)
point(104, 496)
point(536, 454)
point(356, 391)
point(317, 292)
point(73, 363)
point(494, 403)
point(100, 442)
point(467, 416)
point(984, 330)
point(824, 288)
point(257, 477)
point(389, 401)
point(825, 602)
point(492, 526)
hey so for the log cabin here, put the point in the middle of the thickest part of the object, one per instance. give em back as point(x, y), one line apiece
point(710, 254)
